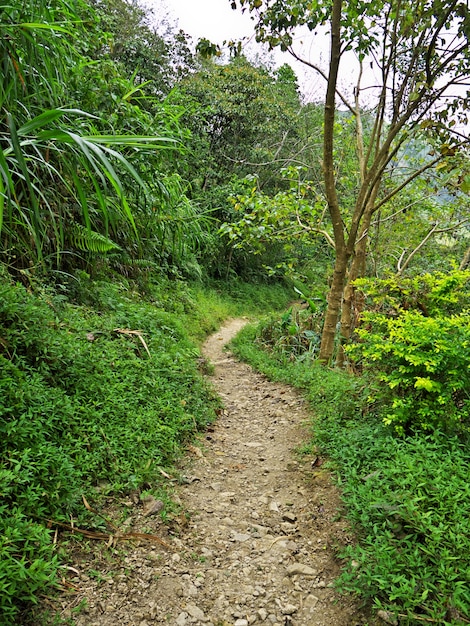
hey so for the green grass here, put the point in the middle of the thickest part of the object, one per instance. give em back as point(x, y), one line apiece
point(100, 389)
point(408, 498)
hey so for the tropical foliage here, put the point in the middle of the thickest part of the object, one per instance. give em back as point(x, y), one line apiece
point(73, 153)
point(421, 57)
point(136, 172)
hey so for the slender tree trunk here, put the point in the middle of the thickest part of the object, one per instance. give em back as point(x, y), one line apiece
point(342, 257)
point(349, 310)
point(335, 299)
point(466, 260)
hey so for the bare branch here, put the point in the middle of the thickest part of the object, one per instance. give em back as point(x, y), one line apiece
point(465, 260)
point(319, 71)
point(320, 231)
point(402, 266)
point(406, 182)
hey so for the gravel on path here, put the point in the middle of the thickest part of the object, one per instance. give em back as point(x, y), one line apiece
point(256, 541)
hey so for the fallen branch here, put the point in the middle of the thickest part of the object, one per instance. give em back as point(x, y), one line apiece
point(133, 333)
point(428, 620)
point(111, 538)
point(89, 508)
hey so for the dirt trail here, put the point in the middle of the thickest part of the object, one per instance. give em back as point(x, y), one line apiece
point(257, 547)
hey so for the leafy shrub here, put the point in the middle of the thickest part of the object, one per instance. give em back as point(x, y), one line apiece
point(425, 365)
point(27, 562)
point(433, 294)
point(409, 502)
point(295, 333)
point(407, 498)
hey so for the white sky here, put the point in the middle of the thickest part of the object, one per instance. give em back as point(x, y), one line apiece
point(215, 20)
point(212, 19)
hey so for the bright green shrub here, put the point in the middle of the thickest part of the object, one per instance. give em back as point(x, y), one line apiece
point(434, 295)
point(415, 342)
point(424, 363)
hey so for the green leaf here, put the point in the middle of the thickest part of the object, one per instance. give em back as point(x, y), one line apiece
point(426, 383)
point(90, 241)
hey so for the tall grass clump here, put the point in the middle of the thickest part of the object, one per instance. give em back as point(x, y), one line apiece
point(83, 165)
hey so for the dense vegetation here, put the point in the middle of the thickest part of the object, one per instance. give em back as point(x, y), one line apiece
point(149, 190)
point(397, 436)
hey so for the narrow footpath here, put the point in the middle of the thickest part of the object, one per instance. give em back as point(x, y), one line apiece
point(255, 544)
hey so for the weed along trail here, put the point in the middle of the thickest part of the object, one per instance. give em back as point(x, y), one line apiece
point(255, 545)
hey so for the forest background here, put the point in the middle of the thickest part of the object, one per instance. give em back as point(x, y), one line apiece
point(149, 189)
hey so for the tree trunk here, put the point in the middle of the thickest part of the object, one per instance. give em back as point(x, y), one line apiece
point(348, 310)
point(336, 291)
point(466, 260)
point(335, 299)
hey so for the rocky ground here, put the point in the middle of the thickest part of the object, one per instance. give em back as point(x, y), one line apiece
point(255, 542)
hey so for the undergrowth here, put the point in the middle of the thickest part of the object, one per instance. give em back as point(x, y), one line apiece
point(408, 498)
point(100, 390)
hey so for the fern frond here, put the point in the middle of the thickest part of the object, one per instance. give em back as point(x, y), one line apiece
point(91, 241)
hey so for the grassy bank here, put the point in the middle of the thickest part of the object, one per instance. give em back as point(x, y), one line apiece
point(408, 498)
point(100, 390)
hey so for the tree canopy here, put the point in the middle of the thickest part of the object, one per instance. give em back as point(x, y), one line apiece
point(421, 56)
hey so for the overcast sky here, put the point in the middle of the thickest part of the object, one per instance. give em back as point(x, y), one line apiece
point(213, 19)
point(216, 21)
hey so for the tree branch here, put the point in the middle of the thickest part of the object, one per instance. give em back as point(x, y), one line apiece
point(320, 231)
point(322, 74)
point(402, 267)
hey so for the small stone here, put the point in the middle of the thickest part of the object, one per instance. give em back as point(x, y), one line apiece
point(181, 620)
point(262, 614)
point(195, 612)
point(301, 570)
point(206, 552)
point(387, 617)
point(152, 506)
point(274, 506)
point(289, 517)
point(311, 601)
point(287, 527)
point(240, 537)
point(241, 622)
point(192, 591)
point(289, 609)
